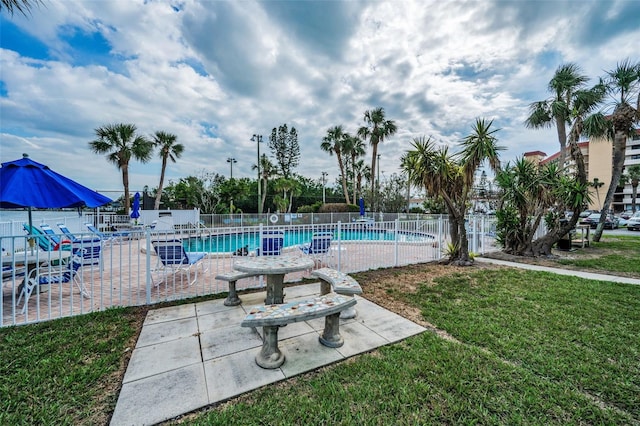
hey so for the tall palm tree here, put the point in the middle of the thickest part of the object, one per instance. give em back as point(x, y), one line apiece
point(121, 143)
point(267, 171)
point(557, 109)
point(169, 150)
point(377, 129)
point(333, 143)
point(623, 85)
point(355, 149)
point(22, 6)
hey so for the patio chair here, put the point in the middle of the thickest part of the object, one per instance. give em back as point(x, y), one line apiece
point(271, 243)
point(173, 258)
point(319, 246)
point(90, 248)
point(44, 241)
point(111, 237)
point(49, 275)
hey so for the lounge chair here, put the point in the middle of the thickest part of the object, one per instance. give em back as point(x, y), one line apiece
point(12, 272)
point(111, 237)
point(173, 258)
point(271, 243)
point(48, 275)
point(319, 246)
point(90, 248)
point(44, 241)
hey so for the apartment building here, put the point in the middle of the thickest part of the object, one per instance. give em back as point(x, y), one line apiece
point(598, 162)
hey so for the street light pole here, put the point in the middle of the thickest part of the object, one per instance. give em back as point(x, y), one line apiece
point(324, 194)
point(378, 186)
point(258, 139)
point(231, 160)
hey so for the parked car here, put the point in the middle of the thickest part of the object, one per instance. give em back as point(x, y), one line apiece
point(633, 223)
point(586, 213)
point(626, 214)
point(611, 222)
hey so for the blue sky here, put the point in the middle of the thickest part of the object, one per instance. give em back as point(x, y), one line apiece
point(216, 72)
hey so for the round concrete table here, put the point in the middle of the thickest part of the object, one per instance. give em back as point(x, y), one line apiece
point(274, 268)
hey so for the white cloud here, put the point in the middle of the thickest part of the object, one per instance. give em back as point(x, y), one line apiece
point(214, 73)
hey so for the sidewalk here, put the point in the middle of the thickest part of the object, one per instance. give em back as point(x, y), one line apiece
point(195, 355)
point(559, 271)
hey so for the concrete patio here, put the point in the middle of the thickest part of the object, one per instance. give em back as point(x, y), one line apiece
point(194, 355)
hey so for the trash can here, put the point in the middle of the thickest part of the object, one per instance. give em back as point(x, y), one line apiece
point(564, 243)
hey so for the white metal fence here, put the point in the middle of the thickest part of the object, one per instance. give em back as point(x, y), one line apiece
point(125, 270)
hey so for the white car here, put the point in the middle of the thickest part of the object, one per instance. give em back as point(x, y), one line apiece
point(633, 223)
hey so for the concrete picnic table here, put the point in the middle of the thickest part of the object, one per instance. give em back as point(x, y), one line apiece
point(274, 268)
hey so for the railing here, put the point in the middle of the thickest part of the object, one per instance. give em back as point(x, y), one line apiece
point(127, 271)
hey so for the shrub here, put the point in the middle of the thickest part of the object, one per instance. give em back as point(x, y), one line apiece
point(338, 208)
point(313, 208)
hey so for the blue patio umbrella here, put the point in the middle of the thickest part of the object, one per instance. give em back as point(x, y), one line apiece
point(361, 206)
point(135, 210)
point(27, 184)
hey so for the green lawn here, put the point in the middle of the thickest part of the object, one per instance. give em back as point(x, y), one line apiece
point(526, 348)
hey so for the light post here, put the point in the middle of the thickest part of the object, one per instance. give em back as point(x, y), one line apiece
point(378, 186)
point(258, 139)
point(324, 194)
point(231, 161)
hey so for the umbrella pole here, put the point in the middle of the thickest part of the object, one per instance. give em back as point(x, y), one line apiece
point(31, 239)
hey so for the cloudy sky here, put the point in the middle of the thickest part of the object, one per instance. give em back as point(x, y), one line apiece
point(216, 72)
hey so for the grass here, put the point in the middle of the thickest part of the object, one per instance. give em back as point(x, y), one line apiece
point(525, 348)
point(623, 255)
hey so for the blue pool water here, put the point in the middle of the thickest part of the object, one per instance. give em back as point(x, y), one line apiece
point(226, 243)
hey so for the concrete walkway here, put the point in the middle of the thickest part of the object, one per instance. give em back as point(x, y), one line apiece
point(194, 355)
point(559, 271)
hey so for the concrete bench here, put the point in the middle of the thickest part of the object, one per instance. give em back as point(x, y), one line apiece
point(231, 277)
point(272, 317)
point(339, 282)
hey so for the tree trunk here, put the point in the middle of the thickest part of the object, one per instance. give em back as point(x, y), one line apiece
point(374, 155)
point(562, 138)
point(619, 146)
point(345, 190)
point(264, 194)
point(125, 183)
point(156, 204)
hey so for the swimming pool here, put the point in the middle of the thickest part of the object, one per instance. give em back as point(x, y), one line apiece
point(228, 243)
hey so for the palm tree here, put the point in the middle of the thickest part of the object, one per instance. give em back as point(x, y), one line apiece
point(288, 188)
point(333, 143)
point(596, 184)
point(623, 85)
point(22, 6)
point(121, 143)
point(267, 171)
point(557, 109)
point(479, 146)
point(169, 150)
point(354, 147)
point(451, 177)
point(633, 176)
point(361, 171)
point(377, 129)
